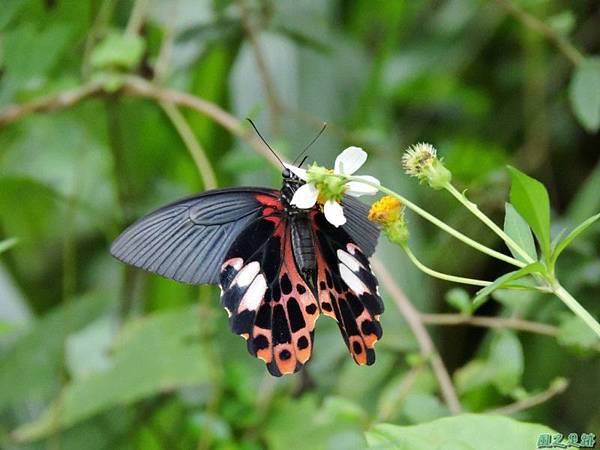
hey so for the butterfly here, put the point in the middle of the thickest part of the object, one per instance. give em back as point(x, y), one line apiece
point(278, 266)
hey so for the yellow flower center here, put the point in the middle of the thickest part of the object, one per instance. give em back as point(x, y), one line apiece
point(386, 210)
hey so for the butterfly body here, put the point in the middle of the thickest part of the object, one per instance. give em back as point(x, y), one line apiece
point(278, 266)
point(299, 220)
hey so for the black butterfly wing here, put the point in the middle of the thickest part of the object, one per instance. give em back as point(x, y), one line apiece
point(347, 289)
point(187, 240)
point(268, 301)
point(362, 231)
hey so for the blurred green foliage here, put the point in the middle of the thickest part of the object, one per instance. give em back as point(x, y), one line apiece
point(96, 355)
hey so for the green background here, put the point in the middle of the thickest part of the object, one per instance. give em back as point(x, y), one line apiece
point(97, 355)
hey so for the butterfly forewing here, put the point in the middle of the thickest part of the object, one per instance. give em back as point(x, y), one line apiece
point(269, 303)
point(187, 240)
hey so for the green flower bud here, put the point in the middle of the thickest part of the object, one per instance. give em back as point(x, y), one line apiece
point(421, 161)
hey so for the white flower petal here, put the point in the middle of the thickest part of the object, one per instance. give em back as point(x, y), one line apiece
point(356, 188)
point(349, 161)
point(334, 213)
point(305, 197)
point(300, 173)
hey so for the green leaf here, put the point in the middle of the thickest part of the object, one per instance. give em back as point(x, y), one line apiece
point(118, 50)
point(154, 354)
point(464, 432)
point(563, 22)
point(501, 367)
point(516, 227)
point(422, 407)
point(88, 350)
point(586, 201)
point(459, 299)
point(482, 295)
point(337, 423)
point(9, 10)
point(530, 199)
point(572, 235)
point(474, 375)
point(506, 361)
point(31, 368)
point(575, 335)
point(302, 39)
point(30, 53)
point(7, 244)
point(584, 93)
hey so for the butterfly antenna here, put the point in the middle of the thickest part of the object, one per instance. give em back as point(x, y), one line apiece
point(310, 143)
point(265, 142)
point(302, 162)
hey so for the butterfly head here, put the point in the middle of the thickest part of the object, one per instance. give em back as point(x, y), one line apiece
point(291, 183)
point(290, 177)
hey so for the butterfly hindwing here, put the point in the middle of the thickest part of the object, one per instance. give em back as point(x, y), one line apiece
point(268, 301)
point(347, 289)
point(187, 240)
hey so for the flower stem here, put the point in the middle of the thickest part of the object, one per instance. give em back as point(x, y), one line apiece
point(437, 222)
point(473, 208)
point(576, 307)
point(440, 275)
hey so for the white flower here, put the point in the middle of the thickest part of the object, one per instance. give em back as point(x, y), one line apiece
point(323, 182)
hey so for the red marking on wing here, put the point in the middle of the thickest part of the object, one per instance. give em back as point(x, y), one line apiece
point(353, 302)
point(279, 325)
point(269, 201)
point(272, 207)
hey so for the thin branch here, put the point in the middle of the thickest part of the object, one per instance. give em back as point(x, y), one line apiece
point(275, 108)
point(196, 150)
point(567, 49)
point(99, 24)
point(61, 100)
point(490, 322)
point(521, 405)
point(495, 322)
point(166, 48)
point(426, 344)
point(138, 87)
point(136, 18)
point(115, 142)
point(177, 118)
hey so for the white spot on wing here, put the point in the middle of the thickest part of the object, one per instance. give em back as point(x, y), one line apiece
point(254, 294)
point(247, 274)
point(349, 261)
point(352, 280)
